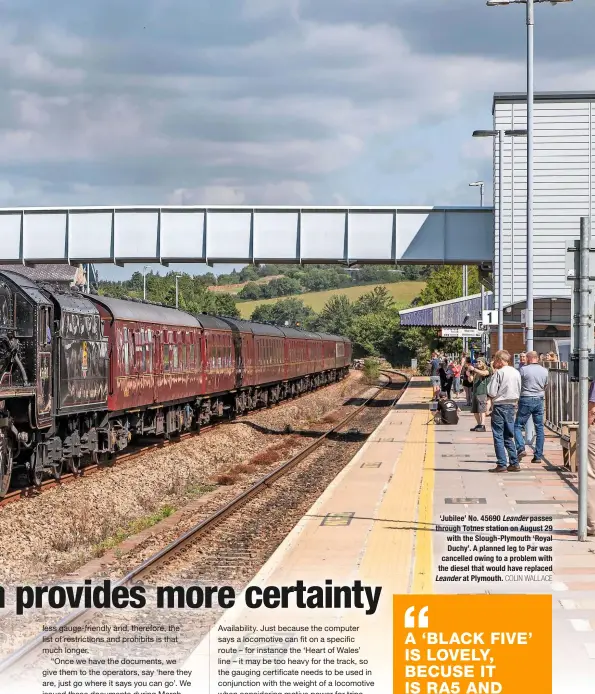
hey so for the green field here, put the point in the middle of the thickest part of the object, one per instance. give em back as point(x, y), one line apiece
point(402, 292)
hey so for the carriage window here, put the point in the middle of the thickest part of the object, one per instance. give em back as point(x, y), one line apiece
point(176, 362)
point(45, 335)
point(166, 357)
point(170, 337)
point(192, 365)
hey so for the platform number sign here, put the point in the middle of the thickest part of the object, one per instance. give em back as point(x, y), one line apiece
point(489, 317)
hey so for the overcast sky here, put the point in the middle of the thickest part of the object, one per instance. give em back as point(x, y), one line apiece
point(115, 102)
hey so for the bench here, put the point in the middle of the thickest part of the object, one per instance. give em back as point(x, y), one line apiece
point(568, 442)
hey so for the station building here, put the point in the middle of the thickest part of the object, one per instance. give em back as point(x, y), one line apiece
point(564, 165)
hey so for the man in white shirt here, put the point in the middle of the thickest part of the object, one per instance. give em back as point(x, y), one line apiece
point(504, 391)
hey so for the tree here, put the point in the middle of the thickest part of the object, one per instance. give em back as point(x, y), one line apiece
point(336, 316)
point(376, 301)
point(284, 286)
point(248, 274)
point(291, 311)
point(225, 305)
point(412, 272)
point(251, 291)
point(446, 282)
point(379, 334)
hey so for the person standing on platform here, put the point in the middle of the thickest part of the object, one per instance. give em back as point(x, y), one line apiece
point(434, 375)
point(528, 429)
point(467, 379)
point(531, 406)
point(442, 375)
point(448, 379)
point(504, 390)
point(591, 466)
point(456, 371)
point(479, 402)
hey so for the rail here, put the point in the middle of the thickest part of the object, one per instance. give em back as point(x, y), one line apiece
point(561, 397)
point(208, 524)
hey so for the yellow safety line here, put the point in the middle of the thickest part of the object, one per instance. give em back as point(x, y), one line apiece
point(388, 557)
point(424, 556)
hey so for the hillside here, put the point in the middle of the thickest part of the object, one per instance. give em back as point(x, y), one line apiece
point(402, 292)
point(237, 288)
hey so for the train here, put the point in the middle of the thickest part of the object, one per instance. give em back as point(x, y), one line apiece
point(84, 375)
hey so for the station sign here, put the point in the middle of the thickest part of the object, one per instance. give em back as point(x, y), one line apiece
point(489, 317)
point(460, 332)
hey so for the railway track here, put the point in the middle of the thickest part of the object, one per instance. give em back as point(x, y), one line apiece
point(138, 451)
point(160, 560)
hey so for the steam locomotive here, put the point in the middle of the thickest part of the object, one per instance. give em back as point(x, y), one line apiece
point(81, 375)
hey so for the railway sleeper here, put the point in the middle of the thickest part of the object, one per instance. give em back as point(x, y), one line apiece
point(91, 438)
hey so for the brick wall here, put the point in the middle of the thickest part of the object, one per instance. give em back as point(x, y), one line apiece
point(513, 342)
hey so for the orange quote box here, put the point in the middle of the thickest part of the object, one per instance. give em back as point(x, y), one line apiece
point(472, 644)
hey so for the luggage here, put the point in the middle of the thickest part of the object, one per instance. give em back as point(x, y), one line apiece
point(448, 412)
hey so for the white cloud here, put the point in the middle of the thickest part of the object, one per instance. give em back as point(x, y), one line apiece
point(272, 108)
point(481, 148)
point(283, 192)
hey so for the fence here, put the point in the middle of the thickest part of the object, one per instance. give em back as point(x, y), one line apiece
point(561, 397)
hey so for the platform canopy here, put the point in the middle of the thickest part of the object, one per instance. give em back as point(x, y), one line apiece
point(464, 312)
point(347, 235)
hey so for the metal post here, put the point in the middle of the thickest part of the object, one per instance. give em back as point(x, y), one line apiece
point(500, 240)
point(177, 291)
point(465, 293)
point(529, 308)
point(481, 195)
point(583, 374)
point(144, 285)
point(483, 305)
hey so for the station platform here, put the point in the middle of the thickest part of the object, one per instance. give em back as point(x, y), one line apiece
point(377, 521)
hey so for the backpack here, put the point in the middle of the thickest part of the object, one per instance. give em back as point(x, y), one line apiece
point(449, 412)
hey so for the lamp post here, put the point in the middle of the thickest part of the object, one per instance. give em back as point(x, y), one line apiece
point(480, 185)
point(530, 145)
point(500, 135)
point(145, 282)
point(177, 290)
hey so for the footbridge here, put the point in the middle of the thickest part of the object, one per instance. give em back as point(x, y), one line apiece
point(222, 234)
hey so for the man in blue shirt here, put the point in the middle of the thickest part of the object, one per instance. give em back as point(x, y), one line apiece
point(534, 379)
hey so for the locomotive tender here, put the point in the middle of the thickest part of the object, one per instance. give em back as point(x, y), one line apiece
point(82, 375)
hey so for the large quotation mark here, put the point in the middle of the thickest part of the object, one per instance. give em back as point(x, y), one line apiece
point(422, 618)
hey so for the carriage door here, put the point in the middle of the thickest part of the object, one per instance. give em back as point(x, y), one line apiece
point(157, 368)
point(44, 367)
